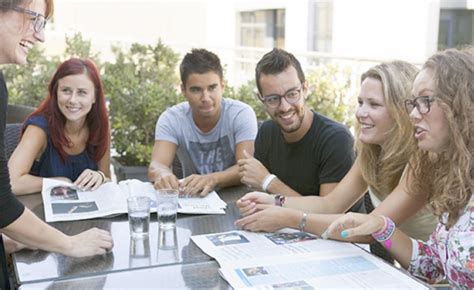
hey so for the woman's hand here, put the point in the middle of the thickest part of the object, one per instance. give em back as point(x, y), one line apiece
point(89, 180)
point(89, 243)
point(247, 204)
point(355, 224)
point(267, 218)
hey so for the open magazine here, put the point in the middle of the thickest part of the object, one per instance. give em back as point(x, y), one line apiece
point(65, 202)
point(297, 260)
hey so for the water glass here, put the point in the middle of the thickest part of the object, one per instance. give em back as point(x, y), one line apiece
point(139, 252)
point(167, 206)
point(167, 238)
point(139, 216)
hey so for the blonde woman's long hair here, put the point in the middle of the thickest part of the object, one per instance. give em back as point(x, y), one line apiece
point(383, 165)
point(447, 177)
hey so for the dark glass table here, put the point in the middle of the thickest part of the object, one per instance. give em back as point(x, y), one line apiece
point(128, 254)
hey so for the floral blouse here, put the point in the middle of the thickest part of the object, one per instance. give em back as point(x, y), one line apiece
point(447, 254)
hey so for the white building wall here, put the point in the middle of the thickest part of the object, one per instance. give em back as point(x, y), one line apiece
point(366, 29)
point(383, 30)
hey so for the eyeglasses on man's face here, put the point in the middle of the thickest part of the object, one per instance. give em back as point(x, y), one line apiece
point(39, 21)
point(422, 104)
point(292, 97)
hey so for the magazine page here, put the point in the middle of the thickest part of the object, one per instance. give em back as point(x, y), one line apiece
point(339, 271)
point(63, 201)
point(211, 204)
point(234, 246)
point(293, 259)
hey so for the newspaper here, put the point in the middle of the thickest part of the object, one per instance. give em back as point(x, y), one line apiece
point(296, 260)
point(65, 202)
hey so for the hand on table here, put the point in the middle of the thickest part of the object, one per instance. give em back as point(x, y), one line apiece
point(354, 224)
point(166, 180)
point(89, 243)
point(251, 171)
point(267, 218)
point(198, 184)
point(89, 180)
point(247, 204)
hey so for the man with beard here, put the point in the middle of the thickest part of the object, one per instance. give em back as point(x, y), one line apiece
point(298, 152)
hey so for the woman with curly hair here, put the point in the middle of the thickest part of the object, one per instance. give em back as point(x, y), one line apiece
point(383, 147)
point(442, 112)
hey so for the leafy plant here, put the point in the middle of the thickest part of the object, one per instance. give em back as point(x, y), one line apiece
point(141, 83)
point(329, 93)
point(247, 93)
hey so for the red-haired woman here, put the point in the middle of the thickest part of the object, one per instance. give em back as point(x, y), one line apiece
point(68, 136)
point(22, 24)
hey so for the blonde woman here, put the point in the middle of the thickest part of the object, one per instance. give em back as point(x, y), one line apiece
point(442, 112)
point(383, 146)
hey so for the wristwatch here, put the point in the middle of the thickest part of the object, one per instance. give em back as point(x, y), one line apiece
point(302, 223)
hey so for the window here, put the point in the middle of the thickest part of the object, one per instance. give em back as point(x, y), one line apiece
point(262, 28)
point(320, 25)
point(455, 28)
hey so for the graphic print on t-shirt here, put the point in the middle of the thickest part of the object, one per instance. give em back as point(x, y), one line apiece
point(213, 156)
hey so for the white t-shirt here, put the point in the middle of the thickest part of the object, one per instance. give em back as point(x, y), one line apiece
point(213, 151)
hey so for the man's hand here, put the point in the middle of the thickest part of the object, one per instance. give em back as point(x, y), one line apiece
point(267, 218)
point(251, 171)
point(248, 203)
point(166, 180)
point(198, 184)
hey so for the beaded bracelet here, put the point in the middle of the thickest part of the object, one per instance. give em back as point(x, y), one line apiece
point(383, 236)
point(279, 200)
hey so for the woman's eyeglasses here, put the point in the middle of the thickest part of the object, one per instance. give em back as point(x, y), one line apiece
point(422, 104)
point(39, 21)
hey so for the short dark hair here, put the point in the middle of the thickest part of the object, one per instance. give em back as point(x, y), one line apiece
point(276, 61)
point(200, 61)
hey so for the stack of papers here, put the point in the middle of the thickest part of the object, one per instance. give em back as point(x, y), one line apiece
point(297, 260)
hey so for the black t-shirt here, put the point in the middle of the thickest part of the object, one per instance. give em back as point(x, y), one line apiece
point(10, 207)
point(324, 155)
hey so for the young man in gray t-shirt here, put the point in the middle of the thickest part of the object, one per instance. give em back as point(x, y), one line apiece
point(208, 132)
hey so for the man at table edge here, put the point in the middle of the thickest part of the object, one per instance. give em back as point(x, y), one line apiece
point(208, 133)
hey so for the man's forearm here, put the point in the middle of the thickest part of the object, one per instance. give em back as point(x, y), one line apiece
point(278, 187)
point(157, 169)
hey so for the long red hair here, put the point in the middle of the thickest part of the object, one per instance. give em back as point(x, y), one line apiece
point(97, 119)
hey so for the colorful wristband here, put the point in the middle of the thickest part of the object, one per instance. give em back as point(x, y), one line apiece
point(384, 236)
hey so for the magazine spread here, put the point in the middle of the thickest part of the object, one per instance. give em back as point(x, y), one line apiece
point(297, 260)
point(65, 202)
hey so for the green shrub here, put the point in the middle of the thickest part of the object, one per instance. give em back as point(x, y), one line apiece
point(330, 93)
point(141, 84)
